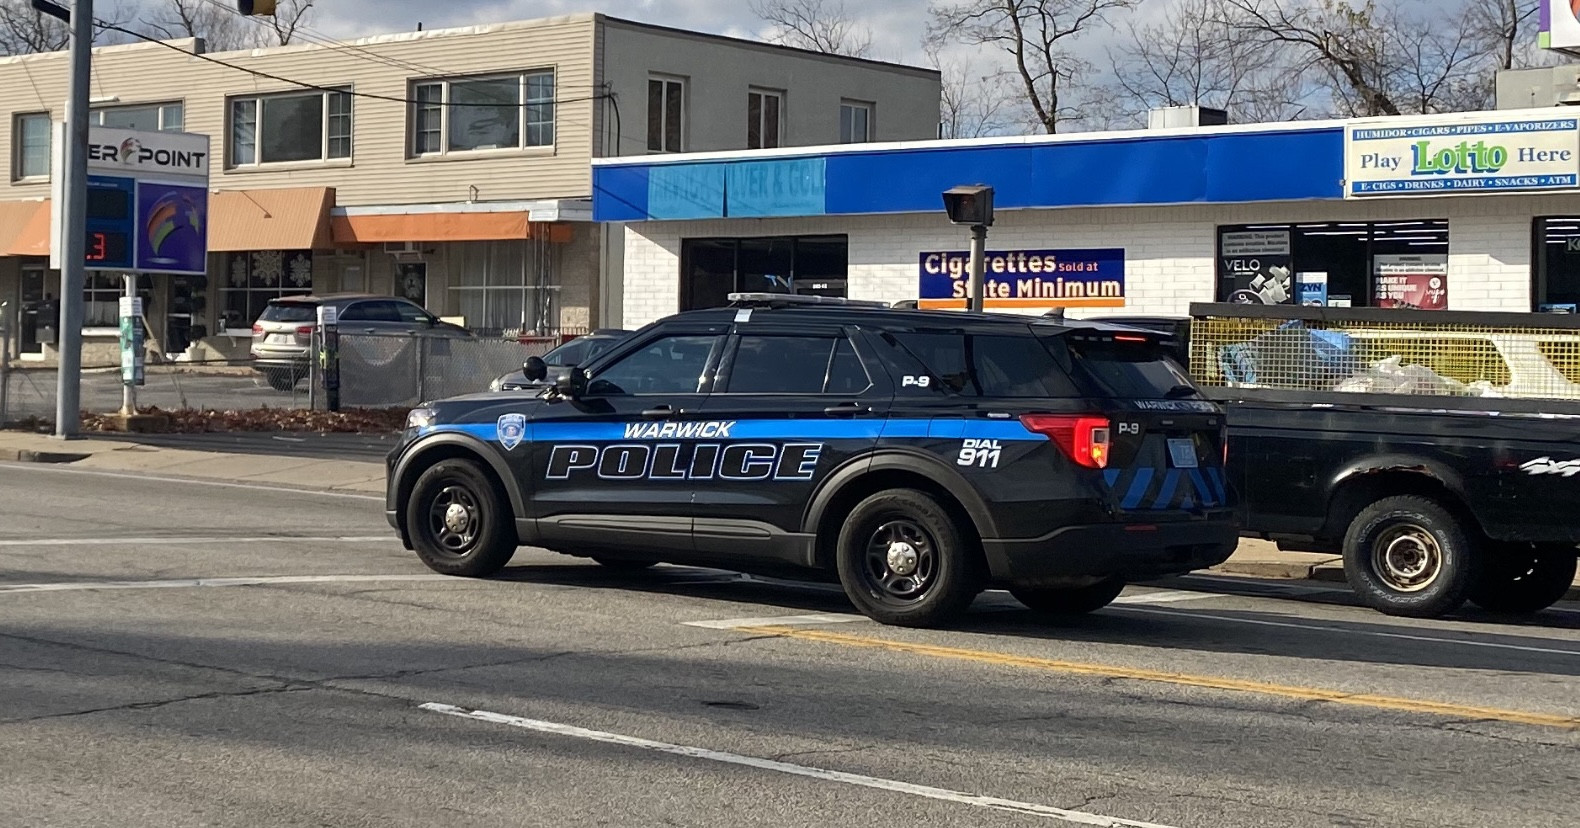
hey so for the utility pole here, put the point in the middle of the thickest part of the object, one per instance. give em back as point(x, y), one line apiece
point(71, 235)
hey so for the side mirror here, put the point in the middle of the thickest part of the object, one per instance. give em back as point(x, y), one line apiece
point(572, 384)
point(535, 368)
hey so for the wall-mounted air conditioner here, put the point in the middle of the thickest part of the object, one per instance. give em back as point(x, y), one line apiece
point(402, 248)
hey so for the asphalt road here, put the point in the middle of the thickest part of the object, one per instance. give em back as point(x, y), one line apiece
point(331, 680)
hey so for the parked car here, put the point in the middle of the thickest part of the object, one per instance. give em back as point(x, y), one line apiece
point(283, 335)
point(556, 362)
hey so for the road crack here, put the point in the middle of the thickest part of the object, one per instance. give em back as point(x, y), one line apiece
point(158, 703)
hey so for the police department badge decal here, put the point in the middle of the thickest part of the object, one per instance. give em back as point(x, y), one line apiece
point(512, 430)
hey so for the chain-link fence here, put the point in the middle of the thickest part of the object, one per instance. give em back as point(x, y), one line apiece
point(1435, 353)
point(380, 371)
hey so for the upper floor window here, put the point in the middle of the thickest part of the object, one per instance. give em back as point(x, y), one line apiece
point(855, 122)
point(165, 117)
point(498, 112)
point(30, 136)
point(298, 126)
point(764, 119)
point(666, 115)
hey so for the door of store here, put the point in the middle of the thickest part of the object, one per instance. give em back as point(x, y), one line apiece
point(29, 297)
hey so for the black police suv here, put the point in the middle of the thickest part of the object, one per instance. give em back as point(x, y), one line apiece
point(918, 456)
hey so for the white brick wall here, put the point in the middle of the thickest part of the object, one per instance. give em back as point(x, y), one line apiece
point(1170, 252)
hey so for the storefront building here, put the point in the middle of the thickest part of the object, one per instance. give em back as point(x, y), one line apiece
point(450, 167)
point(1478, 211)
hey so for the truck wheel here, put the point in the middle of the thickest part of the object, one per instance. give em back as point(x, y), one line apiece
point(1521, 578)
point(1408, 556)
point(458, 523)
point(1069, 601)
point(903, 560)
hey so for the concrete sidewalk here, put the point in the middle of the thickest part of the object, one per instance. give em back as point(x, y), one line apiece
point(1254, 558)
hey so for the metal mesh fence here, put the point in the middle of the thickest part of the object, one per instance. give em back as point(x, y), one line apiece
point(1416, 356)
point(31, 392)
point(378, 371)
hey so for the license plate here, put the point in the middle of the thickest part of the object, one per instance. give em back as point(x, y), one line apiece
point(1182, 450)
point(280, 339)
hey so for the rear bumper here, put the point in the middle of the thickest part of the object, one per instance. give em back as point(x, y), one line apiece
point(1132, 551)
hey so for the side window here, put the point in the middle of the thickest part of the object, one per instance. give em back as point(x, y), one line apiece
point(780, 364)
point(360, 312)
point(671, 365)
point(979, 365)
point(374, 311)
point(846, 374)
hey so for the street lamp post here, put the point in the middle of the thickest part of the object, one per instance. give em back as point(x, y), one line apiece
point(973, 205)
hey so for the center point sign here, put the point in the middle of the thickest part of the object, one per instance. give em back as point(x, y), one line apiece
point(1485, 152)
point(1026, 278)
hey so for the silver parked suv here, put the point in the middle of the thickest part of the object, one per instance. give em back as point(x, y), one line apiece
point(282, 337)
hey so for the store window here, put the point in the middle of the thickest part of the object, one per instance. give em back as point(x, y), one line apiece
point(254, 277)
point(764, 121)
point(1555, 280)
point(476, 114)
point(712, 269)
point(666, 115)
point(275, 129)
point(1390, 264)
point(504, 288)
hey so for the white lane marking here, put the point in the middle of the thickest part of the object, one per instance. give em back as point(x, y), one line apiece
point(778, 621)
point(190, 583)
point(195, 541)
point(1165, 596)
point(1258, 588)
point(925, 791)
point(1491, 645)
point(196, 481)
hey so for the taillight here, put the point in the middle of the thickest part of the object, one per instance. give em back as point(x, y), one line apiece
point(305, 331)
point(257, 330)
point(1083, 437)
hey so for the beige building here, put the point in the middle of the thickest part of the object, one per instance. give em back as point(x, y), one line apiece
point(450, 166)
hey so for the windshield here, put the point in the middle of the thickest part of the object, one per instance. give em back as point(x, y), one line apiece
point(579, 351)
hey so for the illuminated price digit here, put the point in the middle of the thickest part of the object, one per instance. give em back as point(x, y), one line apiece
point(97, 247)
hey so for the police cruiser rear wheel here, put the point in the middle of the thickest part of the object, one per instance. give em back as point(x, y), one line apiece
point(903, 560)
point(457, 521)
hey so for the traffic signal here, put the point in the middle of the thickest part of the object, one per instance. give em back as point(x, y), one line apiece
point(971, 205)
point(263, 8)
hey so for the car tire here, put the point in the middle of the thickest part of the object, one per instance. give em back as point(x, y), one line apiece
point(624, 565)
point(1521, 578)
point(904, 560)
point(458, 522)
point(1408, 556)
point(282, 379)
point(1069, 601)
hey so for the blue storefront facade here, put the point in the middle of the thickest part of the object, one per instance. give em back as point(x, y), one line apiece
point(1467, 211)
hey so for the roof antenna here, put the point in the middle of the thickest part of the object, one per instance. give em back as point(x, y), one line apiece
point(419, 25)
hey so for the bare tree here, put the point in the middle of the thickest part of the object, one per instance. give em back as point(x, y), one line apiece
point(1506, 30)
point(222, 29)
point(972, 103)
point(289, 17)
point(820, 25)
point(1036, 35)
point(25, 30)
point(1192, 56)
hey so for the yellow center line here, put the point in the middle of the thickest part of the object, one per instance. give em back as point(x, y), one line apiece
point(1458, 711)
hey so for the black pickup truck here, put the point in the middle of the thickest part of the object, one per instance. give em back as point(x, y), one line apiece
point(1435, 490)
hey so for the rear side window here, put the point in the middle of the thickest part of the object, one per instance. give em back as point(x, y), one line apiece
point(979, 365)
point(289, 312)
point(1110, 368)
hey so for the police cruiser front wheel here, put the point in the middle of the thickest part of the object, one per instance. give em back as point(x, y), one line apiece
point(903, 560)
point(458, 523)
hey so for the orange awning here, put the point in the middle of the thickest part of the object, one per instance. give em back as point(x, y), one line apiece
point(24, 228)
point(294, 218)
point(375, 228)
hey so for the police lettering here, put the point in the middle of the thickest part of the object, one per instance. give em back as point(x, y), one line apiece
point(672, 461)
point(714, 430)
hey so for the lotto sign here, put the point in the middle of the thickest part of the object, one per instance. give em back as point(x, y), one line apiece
point(1483, 153)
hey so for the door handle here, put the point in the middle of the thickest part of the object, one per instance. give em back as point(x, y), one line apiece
point(846, 409)
point(659, 412)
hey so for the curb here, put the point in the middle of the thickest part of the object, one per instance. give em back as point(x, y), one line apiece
point(1331, 572)
point(28, 456)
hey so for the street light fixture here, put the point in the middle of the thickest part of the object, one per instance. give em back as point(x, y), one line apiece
point(973, 205)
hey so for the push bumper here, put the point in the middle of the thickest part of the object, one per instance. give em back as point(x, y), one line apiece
point(1132, 551)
